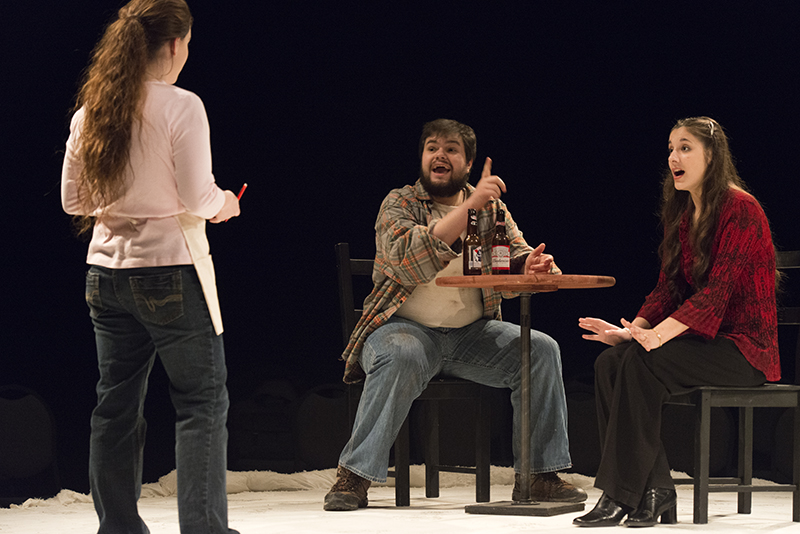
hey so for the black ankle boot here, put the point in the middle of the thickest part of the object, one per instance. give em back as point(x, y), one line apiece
point(655, 502)
point(606, 513)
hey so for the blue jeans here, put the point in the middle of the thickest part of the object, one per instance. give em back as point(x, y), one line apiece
point(402, 356)
point(138, 313)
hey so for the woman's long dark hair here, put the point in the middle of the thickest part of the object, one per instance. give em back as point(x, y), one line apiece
point(113, 91)
point(720, 176)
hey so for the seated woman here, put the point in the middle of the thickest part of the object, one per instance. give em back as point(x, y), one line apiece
point(711, 320)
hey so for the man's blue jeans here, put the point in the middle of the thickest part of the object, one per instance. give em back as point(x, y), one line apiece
point(402, 356)
point(138, 313)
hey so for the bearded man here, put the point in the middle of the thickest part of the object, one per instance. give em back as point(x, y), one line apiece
point(412, 330)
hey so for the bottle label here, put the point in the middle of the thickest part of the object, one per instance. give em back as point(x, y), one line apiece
point(501, 258)
point(474, 259)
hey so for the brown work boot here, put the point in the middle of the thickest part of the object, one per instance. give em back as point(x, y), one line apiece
point(548, 487)
point(349, 492)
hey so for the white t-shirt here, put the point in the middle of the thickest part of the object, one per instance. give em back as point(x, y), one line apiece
point(446, 307)
point(169, 173)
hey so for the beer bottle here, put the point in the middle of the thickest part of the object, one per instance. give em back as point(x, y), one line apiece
point(472, 246)
point(501, 249)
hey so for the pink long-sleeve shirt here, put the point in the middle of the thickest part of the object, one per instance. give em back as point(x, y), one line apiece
point(169, 174)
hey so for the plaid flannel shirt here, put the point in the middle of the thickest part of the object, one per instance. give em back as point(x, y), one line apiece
point(407, 255)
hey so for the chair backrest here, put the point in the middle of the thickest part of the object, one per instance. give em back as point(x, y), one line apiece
point(788, 260)
point(790, 315)
point(348, 268)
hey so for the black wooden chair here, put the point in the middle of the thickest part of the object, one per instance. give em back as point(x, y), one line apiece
point(439, 389)
point(745, 399)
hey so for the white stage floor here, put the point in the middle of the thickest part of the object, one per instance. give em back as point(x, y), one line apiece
point(271, 503)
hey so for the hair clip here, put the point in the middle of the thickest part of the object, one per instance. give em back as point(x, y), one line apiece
point(711, 127)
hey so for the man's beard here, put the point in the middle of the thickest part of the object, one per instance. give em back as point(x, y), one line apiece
point(443, 190)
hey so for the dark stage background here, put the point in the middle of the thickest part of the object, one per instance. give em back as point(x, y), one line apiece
point(318, 107)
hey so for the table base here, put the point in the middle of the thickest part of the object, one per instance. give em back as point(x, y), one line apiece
point(523, 508)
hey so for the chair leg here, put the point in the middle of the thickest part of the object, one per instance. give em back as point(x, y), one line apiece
point(702, 449)
point(482, 448)
point(402, 482)
point(745, 458)
point(432, 452)
point(796, 462)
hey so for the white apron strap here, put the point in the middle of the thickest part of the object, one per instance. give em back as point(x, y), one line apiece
point(194, 231)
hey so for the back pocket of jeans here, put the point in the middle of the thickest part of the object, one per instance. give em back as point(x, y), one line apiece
point(93, 293)
point(159, 298)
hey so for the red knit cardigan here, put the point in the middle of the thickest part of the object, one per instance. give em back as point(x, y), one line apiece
point(739, 300)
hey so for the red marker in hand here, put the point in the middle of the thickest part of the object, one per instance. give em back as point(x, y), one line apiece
point(239, 196)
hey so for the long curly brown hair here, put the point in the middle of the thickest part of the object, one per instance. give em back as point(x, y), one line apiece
point(720, 176)
point(113, 91)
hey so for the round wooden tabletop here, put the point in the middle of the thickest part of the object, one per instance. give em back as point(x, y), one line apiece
point(528, 283)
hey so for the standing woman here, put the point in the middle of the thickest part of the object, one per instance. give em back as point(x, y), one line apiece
point(711, 320)
point(137, 171)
